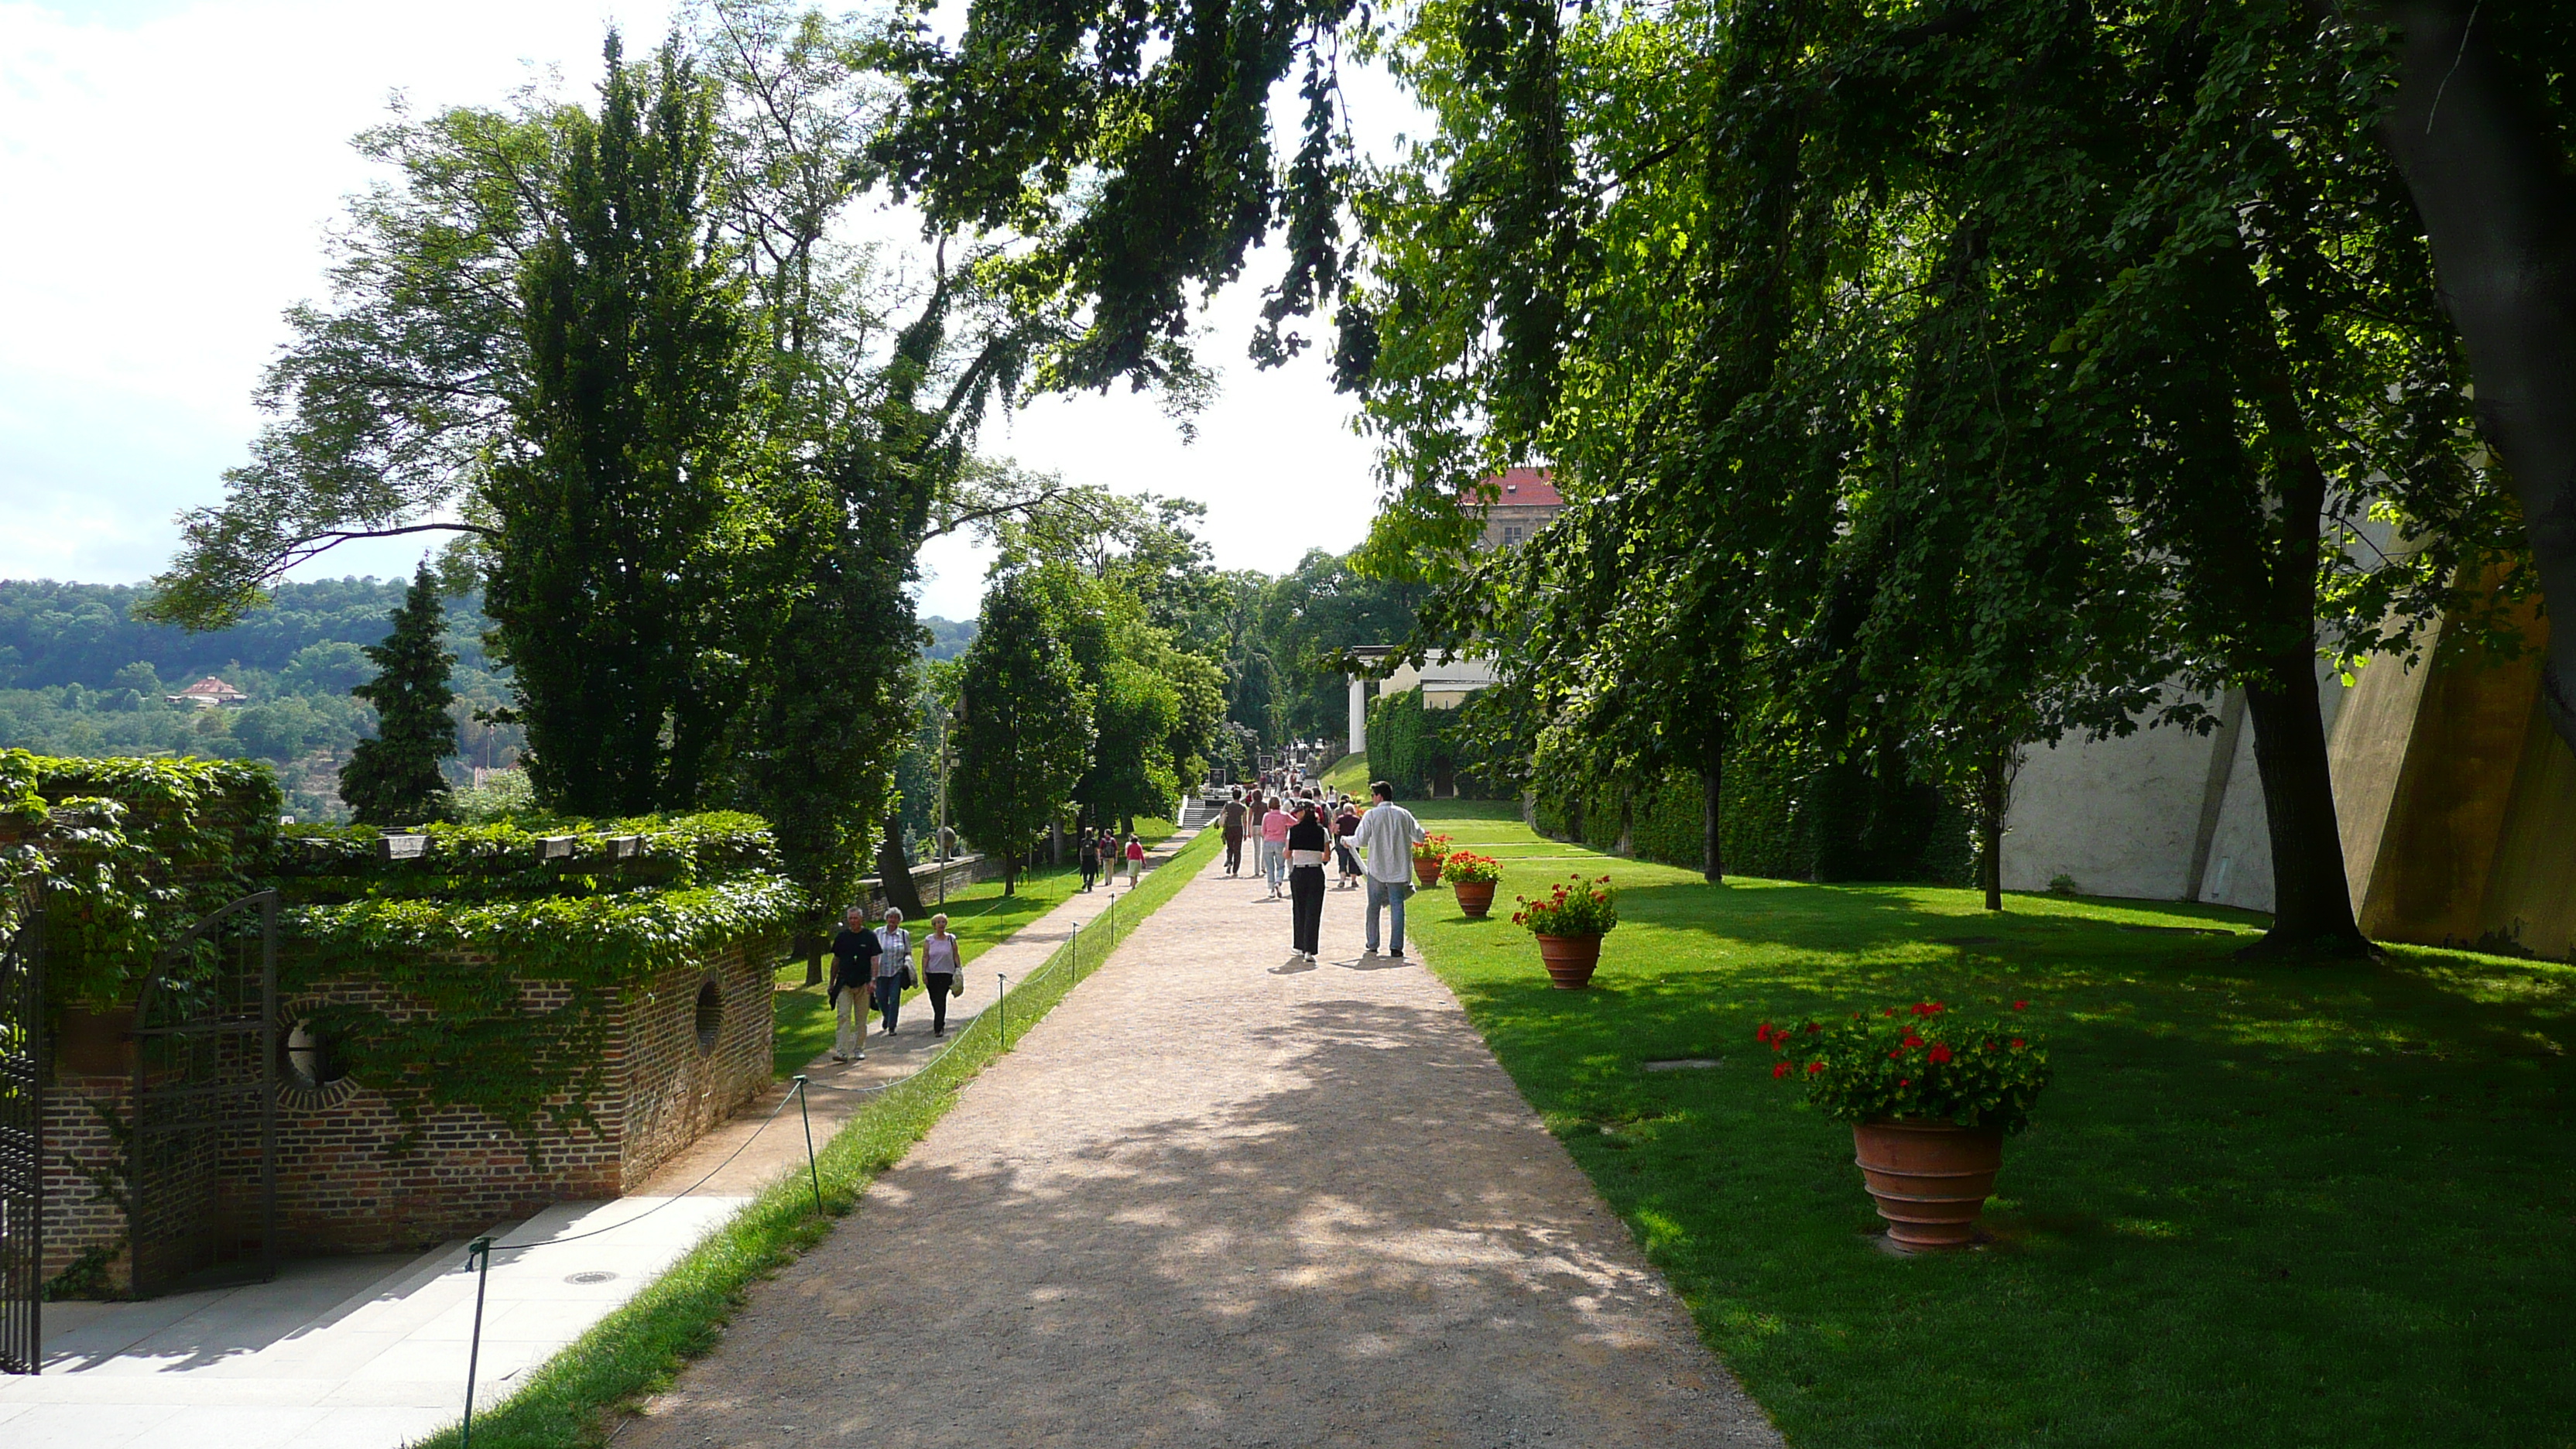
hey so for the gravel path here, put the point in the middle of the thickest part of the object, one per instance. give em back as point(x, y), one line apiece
point(1217, 1198)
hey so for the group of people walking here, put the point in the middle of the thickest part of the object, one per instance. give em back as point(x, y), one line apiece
point(872, 969)
point(1102, 853)
point(1298, 835)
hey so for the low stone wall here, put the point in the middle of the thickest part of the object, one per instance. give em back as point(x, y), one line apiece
point(679, 1054)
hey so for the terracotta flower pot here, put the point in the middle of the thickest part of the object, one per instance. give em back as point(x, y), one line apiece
point(1570, 960)
point(1475, 897)
point(1931, 1178)
point(1427, 872)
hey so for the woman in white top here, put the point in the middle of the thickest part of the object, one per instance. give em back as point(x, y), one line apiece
point(941, 971)
point(894, 966)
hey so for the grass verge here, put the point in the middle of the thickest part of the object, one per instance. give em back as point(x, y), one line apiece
point(1349, 774)
point(635, 1351)
point(2262, 1204)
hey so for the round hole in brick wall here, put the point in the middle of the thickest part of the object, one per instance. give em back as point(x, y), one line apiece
point(306, 1057)
point(710, 1014)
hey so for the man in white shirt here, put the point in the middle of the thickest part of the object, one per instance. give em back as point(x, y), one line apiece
point(1386, 837)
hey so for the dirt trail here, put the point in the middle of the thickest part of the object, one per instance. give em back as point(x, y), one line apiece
point(1217, 1198)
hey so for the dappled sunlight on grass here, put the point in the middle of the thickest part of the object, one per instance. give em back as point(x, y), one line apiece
point(2259, 1200)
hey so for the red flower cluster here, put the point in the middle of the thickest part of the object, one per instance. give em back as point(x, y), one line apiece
point(1779, 1070)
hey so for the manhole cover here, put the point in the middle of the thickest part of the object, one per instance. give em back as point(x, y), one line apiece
point(593, 1276)
point(1685, 1064)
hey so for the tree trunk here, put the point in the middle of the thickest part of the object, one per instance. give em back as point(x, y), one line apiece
point(1055, 842)
point(2311, 898)
point(2490, 181)
point(1994, 801)
point(811, 948)
point(1712, 808)
point(894, 876)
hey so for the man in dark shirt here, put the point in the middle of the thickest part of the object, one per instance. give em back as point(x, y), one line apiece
point(854, 958)
point(1234, 816)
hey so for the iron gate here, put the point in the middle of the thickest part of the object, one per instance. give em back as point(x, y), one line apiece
point(201, 1180)
point(22, 1135)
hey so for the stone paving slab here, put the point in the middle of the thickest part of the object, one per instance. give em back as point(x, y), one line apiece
point(340, 1353)
point(1219, 1197)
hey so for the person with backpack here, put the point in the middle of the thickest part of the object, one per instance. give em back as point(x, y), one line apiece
point(1090, 861)
point(894, 966)
point(1233, 817)
point(854, 953)
point(1346, 821)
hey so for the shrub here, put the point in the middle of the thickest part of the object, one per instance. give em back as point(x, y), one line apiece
point(1577, 908)
point(1923, 1061)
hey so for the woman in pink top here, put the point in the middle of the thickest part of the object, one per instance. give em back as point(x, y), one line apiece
point(1135, 860)
point(1274, 846)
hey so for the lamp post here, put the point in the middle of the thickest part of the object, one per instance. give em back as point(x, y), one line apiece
point(947, 718)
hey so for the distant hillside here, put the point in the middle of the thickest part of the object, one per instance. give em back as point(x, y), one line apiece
point(78, 676)
point(949, 637)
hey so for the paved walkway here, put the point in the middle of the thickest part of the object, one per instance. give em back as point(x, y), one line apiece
point(835, 1090)
point(1220, 1198)
point(340, 1353)
point(369, 1352)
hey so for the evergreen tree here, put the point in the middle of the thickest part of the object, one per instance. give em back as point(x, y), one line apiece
point(608, 577)
point(394, 778)
point(1027, 732)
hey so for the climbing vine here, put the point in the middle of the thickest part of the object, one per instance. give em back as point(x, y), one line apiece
point(130, 852)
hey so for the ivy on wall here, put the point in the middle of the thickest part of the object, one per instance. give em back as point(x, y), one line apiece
point(512, 956)
point(482, 1043)
point(131, 852)
point(1783, 819)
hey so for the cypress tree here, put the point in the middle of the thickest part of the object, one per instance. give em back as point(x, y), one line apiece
point(394, 778)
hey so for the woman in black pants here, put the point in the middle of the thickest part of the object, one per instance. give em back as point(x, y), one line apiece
point(1307, 843)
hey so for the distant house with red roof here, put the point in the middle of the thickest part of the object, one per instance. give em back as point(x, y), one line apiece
point(1524, 498)
point(207, 693)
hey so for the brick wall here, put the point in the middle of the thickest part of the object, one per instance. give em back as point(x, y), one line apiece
point(675, 1089)
point(343, 1185)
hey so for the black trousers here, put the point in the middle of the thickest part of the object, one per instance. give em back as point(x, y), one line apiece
point(1090, 873)
point(1306, 905)
point(935, 984)
point(1233, 854)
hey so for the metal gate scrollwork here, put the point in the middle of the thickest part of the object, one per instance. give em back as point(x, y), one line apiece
point(202, 1177)
point(22, 1132)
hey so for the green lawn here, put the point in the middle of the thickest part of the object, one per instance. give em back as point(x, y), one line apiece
point(979, 914)
point(2262, 1205)
point(1349, 774)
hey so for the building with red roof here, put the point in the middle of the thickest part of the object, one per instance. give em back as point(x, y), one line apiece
point(1524, 498)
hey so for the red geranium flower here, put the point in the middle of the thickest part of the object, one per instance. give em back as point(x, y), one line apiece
point(1763, 1032)
point(1905, 1081)
point(1940, 1053)
point(2018, 1043)
point(1895, 1055)
point(1814, 1067)
point(2018, 1005)
point(1780, 1070)
point(1912, 1040)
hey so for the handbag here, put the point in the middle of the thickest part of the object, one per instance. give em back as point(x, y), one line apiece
point(907, 977)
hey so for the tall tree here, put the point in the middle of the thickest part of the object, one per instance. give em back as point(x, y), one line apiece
point(1026, 734)
point(607, 567)
point(394, 779)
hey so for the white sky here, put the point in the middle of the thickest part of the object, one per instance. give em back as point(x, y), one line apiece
point(169, 167)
